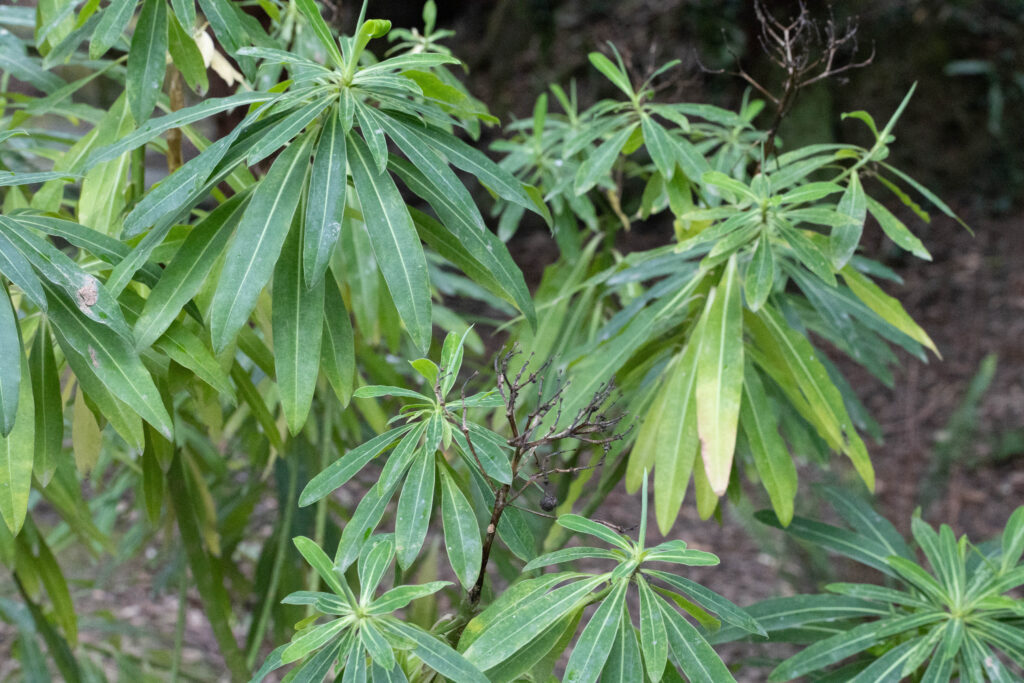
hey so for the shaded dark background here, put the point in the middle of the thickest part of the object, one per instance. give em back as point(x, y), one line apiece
point(962, 133)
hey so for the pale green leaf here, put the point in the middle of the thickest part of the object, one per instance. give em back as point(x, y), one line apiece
point(720, 378)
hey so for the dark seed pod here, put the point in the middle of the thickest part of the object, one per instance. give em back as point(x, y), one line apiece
point(548, 502)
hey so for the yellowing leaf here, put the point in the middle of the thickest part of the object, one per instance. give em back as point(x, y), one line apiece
point(887, 307)
point(86, 437)
point(720, 377)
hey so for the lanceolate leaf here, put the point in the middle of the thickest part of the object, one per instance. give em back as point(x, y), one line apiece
point(323, 33)
point(720, 378)
point(154, 127)
point(111, 359)
point(887, 307)
point(10, 372)
point(16, 450)
point(338, 347)
point(725, 609)
point(845, 238)
point(325, 207)
point(691, 652)
point(184, 275)
point(601, 160)
point(436, 654)
point(595, 643)
point(184, 52)
point(90, 295)
point(473, 161)
point(624, 661)
point(676, 442)
point(836, 648)
point(821, 399)
point(287, 128)
point(771, 458)
point(461, 534)
point(653, 638)
point(167, 197)
point(414, 506)
point(395, 243)
point(486, 273)
point(112, 23)
point(147, 60)
point(261, 234)
point(15, 267)
point(297, 318)
point(434, 169)
point(896, 230)
point(481, 244)
point(49, 406)
point(757, 282)
point(531, 617)
point(102, 246)
point(344, 468)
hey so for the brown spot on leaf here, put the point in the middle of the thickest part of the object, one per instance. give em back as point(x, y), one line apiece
point(92, 356)
point(87, 295)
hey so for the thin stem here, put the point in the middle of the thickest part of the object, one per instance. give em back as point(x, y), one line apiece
point(176, 93)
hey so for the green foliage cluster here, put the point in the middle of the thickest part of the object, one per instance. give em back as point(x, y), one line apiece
point(229, 336)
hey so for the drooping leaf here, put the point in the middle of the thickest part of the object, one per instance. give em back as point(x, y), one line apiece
point(690, 651)
point(771, 457)
point(257, 244)
point(110, 358)
point(395, 243)
point(297, 319)
point(461, 534)
point(720, 378)
point(17, 449)
point(338, 347)
point(49, 406)
point(325, 207)
point(10, 372)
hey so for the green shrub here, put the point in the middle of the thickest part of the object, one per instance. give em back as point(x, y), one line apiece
point(221, 346)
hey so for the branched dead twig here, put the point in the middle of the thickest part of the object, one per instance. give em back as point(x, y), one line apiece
point(592, 425)
point(806, 50)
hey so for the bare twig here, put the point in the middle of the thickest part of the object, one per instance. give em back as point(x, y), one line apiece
point(806, 50)
point(592, 425)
